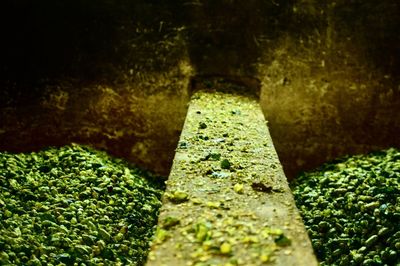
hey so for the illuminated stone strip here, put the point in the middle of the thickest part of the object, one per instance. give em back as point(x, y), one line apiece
point(227, 200)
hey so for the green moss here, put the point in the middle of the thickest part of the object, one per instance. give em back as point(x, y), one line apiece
point(97, 209)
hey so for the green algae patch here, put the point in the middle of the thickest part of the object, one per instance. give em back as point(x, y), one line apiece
point(351, 208)
point(75, 205)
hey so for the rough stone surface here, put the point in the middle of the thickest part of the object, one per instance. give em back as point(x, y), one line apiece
point(227, 200)
point(133, 121)
point(108, 73)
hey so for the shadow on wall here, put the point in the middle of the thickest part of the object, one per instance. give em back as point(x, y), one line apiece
point(225, 37)
point(116, 74)
point(141, 128)
point(331, 86)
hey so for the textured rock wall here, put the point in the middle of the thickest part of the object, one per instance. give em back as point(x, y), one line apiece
point(331, 87)
point(111, 74)
point(115, 74)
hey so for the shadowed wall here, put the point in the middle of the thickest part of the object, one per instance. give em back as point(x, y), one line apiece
point(115, 74)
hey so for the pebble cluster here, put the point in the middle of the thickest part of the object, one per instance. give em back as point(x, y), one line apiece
point(75, 206)
point(351, 208)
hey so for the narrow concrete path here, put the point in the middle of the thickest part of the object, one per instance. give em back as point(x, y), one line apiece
point(227, 200)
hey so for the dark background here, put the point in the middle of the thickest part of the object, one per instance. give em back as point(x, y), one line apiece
point(116, 74)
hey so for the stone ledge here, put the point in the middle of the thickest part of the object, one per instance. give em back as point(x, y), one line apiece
point(227, 200)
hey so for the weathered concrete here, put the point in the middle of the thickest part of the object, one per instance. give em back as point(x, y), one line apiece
point(330, 85)
point(227, 200)
point(321, 106)
point(96, 72)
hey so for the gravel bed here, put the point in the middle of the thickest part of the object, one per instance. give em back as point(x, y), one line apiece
point(75, 206)
point(351, 208)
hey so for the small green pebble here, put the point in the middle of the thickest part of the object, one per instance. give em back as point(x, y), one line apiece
point(202, 232)
point(238, 188)
point(357, 257)
point(225, 248)
point(82, 249)
point(3, 256)
point(160, 236)
point(383, 231)
point(7, 213)
point(214, 156)
point(202, 125)
point(283, 241)
point(104, 234)
point(225, 164)
point(178, 197)
point(371, 205)
point(367, 262)
point(370, 241)
point(118, 237)
point(65, 258)
point(170, 222)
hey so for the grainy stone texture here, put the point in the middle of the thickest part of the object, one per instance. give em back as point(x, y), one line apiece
point(132, 121)
point(330, 85)
point(112, 73)
point(227, 200)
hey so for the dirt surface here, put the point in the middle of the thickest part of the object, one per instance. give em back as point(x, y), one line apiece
point(227, 200)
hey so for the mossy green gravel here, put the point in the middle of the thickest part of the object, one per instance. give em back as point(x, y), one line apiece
point(351, 208)
point(75, 206)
